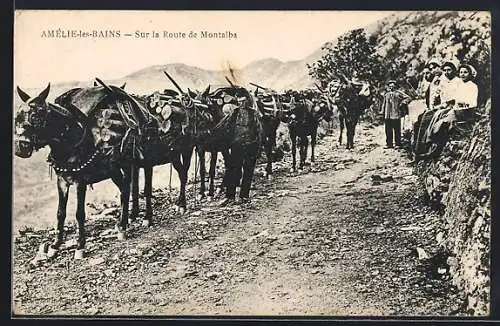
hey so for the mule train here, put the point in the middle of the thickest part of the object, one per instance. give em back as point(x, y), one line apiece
point(102, 132)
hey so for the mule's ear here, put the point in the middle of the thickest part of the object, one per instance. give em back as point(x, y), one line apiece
point(191, 93)
point(43, 95)
point(123, 86)
point(22, 94)
point(206, 92)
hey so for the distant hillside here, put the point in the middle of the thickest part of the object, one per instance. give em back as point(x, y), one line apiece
point(409, 36)
point(269, 72)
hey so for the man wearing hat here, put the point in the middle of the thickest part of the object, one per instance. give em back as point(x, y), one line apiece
point(433, 65)
point(434, 74)
point(424, 86)
point(390, 108)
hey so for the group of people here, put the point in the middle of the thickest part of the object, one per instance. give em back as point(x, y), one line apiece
point(448, 85)
point(450, 95)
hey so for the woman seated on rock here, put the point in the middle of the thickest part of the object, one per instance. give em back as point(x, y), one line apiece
point(466, 92)
point(448, 83)
point(432, 127)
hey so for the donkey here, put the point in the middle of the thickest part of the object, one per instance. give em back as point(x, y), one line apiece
point(181, 122)
point(147, 165)
point(75, 155)
point(272, 112)
point(303, 121)
point(352, 99)
point(202, 146)
point(240, 131)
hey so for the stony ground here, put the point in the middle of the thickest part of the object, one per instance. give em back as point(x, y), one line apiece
point(346, 236)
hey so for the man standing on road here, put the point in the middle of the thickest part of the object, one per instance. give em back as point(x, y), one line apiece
point(393, 99)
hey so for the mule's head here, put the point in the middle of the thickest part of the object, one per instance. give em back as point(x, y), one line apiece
point(322, 108)
point(194, 94)
point(298, 103)
point(364, 89)
point(31, 122)
point(333, 88)
point(200, 96)
point(362, 95)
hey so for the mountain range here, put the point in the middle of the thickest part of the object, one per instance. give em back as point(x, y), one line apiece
point(268, 72)
point(398, 34)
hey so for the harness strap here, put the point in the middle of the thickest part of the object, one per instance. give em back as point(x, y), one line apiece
point(82, 166)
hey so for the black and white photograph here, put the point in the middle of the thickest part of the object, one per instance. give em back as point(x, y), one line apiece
point(331, 163)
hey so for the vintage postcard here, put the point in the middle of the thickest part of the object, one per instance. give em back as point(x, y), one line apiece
point(251, 163)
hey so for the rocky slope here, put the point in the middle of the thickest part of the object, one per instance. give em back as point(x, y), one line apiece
point(458, 184)
point(411, 38)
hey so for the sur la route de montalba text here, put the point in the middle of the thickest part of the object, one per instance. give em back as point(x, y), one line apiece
point(138, 34)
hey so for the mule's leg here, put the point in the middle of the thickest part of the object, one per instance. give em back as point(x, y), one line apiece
point(186, 163)
point(135, 194)
point(125, 196)
point(203, 171)
point(148, 193)
point(314, 135)
point(304, 143)
point(354, 124)
point(349, 132)
point(176, 162)
point(182, 170)
point(273, 146)
point(268, 147)
point(293, 138)
point(81, 190)
point(211, 173)
point(62, 191)
point(249, 163)
point(122, 180)
point(341, 125)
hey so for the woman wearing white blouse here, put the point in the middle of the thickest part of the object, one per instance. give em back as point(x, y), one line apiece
point(467, 91)
point(448, 84)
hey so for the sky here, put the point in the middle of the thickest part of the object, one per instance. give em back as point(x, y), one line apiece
point(284, 35)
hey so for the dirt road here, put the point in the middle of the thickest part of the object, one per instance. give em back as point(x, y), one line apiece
point(338, 239)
